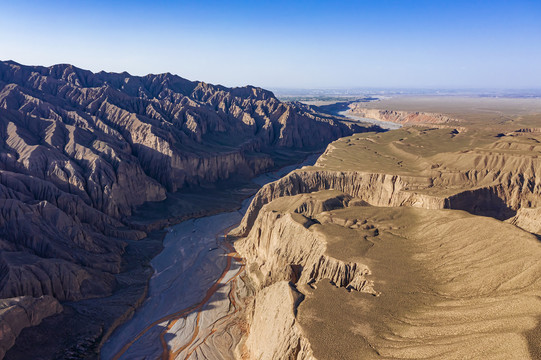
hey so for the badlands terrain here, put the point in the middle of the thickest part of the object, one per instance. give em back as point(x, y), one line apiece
point(94, 165)
point(421, 242)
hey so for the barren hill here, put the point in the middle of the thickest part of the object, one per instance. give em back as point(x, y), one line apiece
point(79, 151)
point(400, 245)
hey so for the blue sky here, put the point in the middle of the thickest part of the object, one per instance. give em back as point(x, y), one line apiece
point(295, 43)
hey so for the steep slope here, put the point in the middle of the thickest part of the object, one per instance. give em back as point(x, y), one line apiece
point(80, 151)
point(402, 117)
point(450, 284)
point(444, 291)
point(432, 168)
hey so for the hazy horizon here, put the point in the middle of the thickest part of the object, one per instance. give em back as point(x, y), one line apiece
point(288, 45)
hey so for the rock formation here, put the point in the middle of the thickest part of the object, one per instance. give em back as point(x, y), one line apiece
point(273, 319)
point(396, 215)
point(528, 219)
point(428, 168)
point(81, 150)
point(20, 312)
point(305, 260)
point(402, 117)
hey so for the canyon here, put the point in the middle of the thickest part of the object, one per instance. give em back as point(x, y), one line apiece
point(84, 154)
point(128, 228)
point(414, 243)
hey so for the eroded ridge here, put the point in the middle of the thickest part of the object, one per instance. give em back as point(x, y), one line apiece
point(444, 290)
point(451, 284)
point(475, 171)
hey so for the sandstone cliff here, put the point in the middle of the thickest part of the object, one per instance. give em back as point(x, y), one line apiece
point(432, 169)
point(287, 245)
point(273, 319)
point(528, 219)
point(290, 247)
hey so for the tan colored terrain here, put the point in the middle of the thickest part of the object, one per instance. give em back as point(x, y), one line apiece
point(401, 117)
point(478, 171)
point(440, 221)
point(444, 291)
point(482, 111)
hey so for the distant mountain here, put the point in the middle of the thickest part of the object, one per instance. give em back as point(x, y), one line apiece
point(80, 151)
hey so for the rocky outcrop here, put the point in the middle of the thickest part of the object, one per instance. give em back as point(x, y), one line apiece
point(20, 312)
point(274, 333)
point(496, 178)
point(282, 245)
point(528, 219)
point(290, 231)
point(375, 189)
point(401, 117)
point(285, 249)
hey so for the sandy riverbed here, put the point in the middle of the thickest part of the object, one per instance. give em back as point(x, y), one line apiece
point(192, 294)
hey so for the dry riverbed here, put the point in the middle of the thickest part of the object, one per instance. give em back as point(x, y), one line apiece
point(192, 293)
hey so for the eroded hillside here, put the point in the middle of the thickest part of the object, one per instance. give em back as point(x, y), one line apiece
point(80, 151)
point(416, 217)
point(482, 172)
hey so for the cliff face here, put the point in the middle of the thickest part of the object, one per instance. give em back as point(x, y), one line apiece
point(359, 220)
point(20, 312)
point(401, 117)
point(289, 247)
point(440, 283)
point(477, 173)
point(528, 219)
point(286, 245)
point(81, 150)
point(376, 189)
point(273, 319)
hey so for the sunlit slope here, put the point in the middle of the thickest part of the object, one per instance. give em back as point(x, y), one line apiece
point(420, 210)
point(434, 283)
point(482, 172)
point(452, 285)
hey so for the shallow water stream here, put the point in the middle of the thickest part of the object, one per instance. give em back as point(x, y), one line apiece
point(382, 124)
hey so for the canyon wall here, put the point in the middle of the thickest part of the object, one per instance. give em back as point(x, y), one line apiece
point(375, 189)
point(401, 117)
point(273, 319)
point(285, 234)
point(80, 151)
point(280, 242)
point(496, 178)
point(286, 250)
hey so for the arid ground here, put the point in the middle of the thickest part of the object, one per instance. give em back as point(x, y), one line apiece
point(421, 242)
